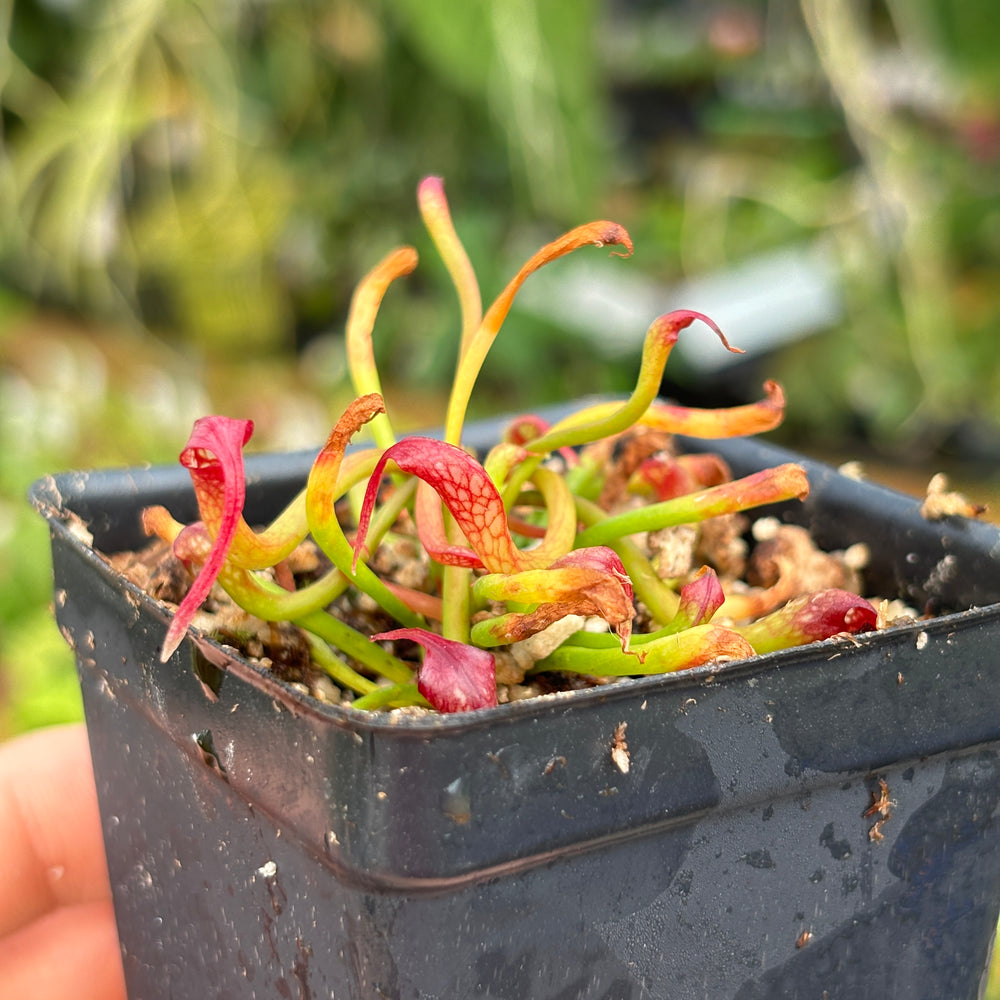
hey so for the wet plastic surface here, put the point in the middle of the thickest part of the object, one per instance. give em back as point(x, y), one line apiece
point(261, 844)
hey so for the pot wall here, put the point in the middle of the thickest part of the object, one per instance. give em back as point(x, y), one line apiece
point(261, 844)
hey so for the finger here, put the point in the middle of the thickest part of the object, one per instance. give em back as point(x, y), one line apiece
point(49, 826)
point(70, 952)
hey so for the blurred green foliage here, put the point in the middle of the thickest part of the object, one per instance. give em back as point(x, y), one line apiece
point(870, 130)
point(223, 174)
point(227, 172)
point(62, 402)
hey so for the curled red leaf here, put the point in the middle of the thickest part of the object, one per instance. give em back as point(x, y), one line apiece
point(193, 545)
point(454, 677)
point(589, 581)
point(322, 493)
point(214, 457)
point(613, 597)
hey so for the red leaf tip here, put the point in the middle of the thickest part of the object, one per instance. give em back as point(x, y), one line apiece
point(831, 612)
point(213, 440)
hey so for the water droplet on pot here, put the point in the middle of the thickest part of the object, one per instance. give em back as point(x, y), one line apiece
point(332, 842)
point(269, 872)
point(455, 801)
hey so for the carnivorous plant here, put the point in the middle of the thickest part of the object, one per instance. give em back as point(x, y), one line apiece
point(557, 551)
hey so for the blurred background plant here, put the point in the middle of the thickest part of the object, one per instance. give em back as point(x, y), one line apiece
point(189, 192)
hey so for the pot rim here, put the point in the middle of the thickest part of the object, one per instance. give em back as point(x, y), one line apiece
point(54, 496)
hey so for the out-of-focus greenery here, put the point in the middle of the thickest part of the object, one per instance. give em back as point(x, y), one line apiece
point(872, 131)
point(59, 400)
point(208, 182)
point(226, 172)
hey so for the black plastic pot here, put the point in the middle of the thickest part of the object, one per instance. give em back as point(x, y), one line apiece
point(262, 844)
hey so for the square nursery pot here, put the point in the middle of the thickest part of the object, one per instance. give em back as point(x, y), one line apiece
point(262, 844)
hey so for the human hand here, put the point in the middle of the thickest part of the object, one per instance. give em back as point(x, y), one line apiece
point(58, 939)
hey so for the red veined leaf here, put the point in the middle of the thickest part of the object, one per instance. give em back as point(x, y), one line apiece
point(476, 504)
point(454, 677)
point(432, 534)
point(464, 487)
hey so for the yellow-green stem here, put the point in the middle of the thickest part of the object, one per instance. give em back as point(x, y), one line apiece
point(661, 602)
point(340, 671)
point(456, 600)
point(356, 645)
point(391, 697)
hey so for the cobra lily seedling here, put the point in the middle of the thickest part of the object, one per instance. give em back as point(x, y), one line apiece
point(580, 548)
